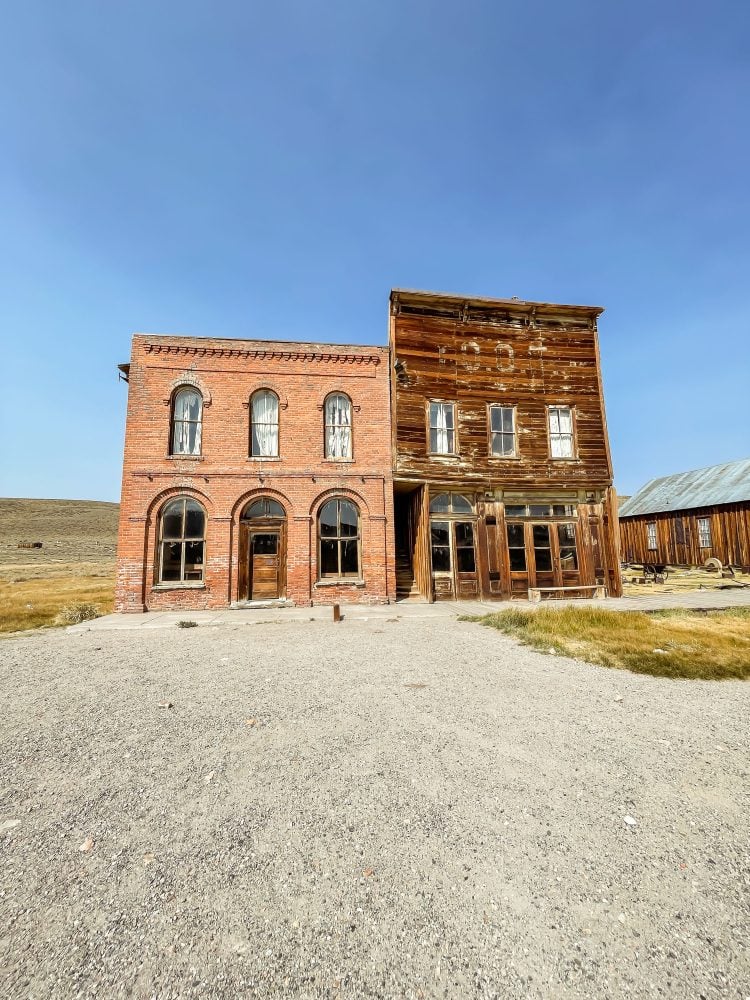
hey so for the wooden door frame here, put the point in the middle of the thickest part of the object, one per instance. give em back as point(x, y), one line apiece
point(557, 572)
point(261, 526)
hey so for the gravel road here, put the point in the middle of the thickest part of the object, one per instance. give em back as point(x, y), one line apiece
point(376, 809)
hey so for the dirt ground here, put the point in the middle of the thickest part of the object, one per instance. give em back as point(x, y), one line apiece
point(681, 580)
point(376, 809)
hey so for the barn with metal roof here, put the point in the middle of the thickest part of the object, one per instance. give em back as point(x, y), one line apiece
point(689, 517)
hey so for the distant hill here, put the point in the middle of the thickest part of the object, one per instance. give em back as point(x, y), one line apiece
point(70, 530)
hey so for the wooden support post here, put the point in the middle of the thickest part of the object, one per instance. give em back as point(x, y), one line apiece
point(337, 612)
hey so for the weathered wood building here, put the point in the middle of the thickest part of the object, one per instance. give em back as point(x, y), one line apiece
point(502, 469)
point(685, 519)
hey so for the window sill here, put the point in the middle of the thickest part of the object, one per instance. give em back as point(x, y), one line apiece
point(264, 458)
point(178, 586)
point(184, 458)
point(339, 461)
point(343, 582)
point(571, 458)
point(504, 458)
point(452, 457)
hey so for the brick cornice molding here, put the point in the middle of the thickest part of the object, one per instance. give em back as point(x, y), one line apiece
point(267, 354)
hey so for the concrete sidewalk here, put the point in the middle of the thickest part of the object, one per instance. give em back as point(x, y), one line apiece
point(695, 600)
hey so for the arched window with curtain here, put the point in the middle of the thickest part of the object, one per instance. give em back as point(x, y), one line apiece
point(187, 420)
point(182, 541)
point(264, 424)
point(338, 426)
point(339, 540)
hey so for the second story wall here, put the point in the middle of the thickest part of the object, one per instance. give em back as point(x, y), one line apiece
point(537, 360)
point(226, 374)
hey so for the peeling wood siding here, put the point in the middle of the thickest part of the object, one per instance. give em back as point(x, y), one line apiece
point(473, 366)
point(730, 537)
point(512, 360)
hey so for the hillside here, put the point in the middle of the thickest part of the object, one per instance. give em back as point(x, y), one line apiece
point(76, 561)
point(71, 531)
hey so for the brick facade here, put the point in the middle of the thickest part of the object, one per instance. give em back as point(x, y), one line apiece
point(224, 479)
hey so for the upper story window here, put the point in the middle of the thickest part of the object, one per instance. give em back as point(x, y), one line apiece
point(182, 541)
point(338, 426)
point(187, 418)
point(561, 432)
point(503, 431)
point(651, 535)
point(264, 424)
point(442, 428)
point(704, 532)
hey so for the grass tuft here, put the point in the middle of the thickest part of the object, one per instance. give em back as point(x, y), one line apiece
point(187, 624)
point(74, 614)
point(713, 645)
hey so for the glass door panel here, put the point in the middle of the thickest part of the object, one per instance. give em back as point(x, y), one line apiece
point(519, 572)
point(570, 575)
point(541, 538)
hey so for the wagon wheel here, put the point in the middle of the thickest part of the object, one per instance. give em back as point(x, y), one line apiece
point(664, 574)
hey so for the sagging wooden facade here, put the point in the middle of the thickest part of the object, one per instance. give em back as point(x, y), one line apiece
point(502, 470)
point(688, 518)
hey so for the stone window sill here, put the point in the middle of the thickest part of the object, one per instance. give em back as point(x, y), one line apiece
point(178, 586)
point(184, 458)
point(339, 583)
point(339, 461)
point(264, 458)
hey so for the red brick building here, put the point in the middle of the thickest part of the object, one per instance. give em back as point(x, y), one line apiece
point(255, 471)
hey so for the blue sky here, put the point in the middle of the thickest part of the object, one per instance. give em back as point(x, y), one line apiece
point(272, 170)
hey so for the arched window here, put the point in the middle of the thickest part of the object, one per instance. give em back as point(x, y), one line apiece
point(338, 426)
point(187, 417)
point(450, 503)
point(338, 540)
point(265, 507)
point(182, 541)
point(264, 424)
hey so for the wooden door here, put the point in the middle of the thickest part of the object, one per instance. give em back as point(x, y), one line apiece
point(518, 559)
point(566, 555)
point(264, 570)
point(540, 541)
point(465, 560)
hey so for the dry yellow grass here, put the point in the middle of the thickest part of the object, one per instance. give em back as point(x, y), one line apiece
point(711, 645)
point(76, 563)
point(34, 603)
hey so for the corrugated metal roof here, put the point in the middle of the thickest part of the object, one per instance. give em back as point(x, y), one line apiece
point(727, 483)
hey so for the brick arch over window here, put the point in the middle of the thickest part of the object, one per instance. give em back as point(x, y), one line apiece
point(345, 493)
point(178, 491)
point(256, 494)
point(272, 386)
point(189, 380)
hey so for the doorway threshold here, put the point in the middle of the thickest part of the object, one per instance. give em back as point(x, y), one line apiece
point(281, 602)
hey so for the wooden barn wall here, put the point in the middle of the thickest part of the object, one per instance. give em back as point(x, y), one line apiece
point(474, 364)
point(730, 537)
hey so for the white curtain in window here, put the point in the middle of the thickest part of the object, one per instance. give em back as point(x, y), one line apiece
point(338, 427)
point(265, 418)
point(441, 428)
point(561, 432)
point(187, 423)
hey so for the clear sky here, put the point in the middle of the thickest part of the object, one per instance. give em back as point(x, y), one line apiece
point(272, 169)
